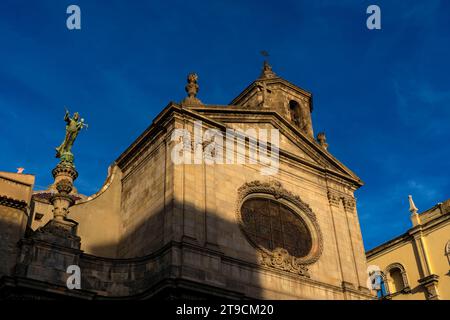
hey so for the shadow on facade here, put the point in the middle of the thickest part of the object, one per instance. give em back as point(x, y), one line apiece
point(179, 253)
point(171, 257)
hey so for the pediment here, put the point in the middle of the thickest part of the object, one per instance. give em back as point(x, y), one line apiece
point(293, 143)
point(246, 97)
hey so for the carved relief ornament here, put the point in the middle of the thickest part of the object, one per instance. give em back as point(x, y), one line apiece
point(279, 258)
point(335, 198)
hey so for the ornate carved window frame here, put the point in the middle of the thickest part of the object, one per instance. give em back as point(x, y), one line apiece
point(280, 258)
point(406, 288)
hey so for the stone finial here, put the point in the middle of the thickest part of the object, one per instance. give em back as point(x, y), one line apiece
point(192, 90)
point(412, 207)
point(415, 219)
point(267, 72)
point(322, 139)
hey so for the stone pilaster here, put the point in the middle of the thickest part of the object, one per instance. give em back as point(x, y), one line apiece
point(342, 206)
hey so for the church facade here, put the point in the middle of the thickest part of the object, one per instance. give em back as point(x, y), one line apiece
point(202, 204)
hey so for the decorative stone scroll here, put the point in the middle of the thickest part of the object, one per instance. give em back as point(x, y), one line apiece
point(281, 259)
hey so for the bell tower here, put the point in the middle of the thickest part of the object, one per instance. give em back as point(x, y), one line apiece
point(272, 93)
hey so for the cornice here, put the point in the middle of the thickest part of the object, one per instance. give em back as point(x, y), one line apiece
point(312, 148)
point(13, 203)
point(408, 236)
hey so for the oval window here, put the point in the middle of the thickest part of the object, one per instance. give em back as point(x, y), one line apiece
point(271, 224)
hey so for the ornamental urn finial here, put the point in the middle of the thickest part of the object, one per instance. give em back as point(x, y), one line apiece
point(192, 90)
point(322, 139)
point(415, 218)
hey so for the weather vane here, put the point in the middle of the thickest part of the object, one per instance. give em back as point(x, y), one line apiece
point(264, 53)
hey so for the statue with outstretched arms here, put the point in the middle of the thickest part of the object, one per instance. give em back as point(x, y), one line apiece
point(73, 127)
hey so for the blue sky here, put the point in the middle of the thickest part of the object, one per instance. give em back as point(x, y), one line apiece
point(381, 96)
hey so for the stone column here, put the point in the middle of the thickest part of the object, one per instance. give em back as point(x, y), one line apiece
point(61, 230)
point(47, 252)
point(64, 175)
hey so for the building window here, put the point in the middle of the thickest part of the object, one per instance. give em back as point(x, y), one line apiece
point(294, 109)
point(398, 281)
point(271, 225)
point(38, 216)
point(282, 227)
point(396, 278)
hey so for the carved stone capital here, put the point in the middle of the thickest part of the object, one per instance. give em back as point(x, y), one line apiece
point(334, 198)
point(349, 203)
point(65, 169)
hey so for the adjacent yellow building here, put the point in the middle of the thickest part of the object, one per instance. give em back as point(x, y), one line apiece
point(415, 265)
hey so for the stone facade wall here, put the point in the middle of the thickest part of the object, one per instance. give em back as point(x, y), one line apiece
point(146, 193)
point(99, 218)
point(15, 195)
point(207, 201)
point(12, 227)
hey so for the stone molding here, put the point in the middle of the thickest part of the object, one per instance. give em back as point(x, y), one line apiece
point(137, 278)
